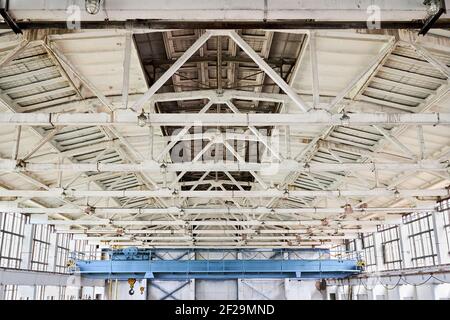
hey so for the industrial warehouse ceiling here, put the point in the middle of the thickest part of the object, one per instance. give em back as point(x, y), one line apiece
point(230, 138)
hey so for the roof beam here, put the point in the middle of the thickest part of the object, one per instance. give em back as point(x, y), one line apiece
point(216, 10)
point(109, 211)
point(197, 166)
point(271, 192)
point(319, 117)
point(43, 219)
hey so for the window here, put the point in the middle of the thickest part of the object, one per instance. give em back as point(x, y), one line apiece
point(11, 292)
point(11, 237)
point(391, 247)
point(338, 251)
point(94, 252)
point(62, 252)
point(85, 251)
point(368, 245)
point(80, 249)
point(444, 207)
point(421, 238)
point(41, 246)
point(351, 246)
point(62, 293)
point(39, 293)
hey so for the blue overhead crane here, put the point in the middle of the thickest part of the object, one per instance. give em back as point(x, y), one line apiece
point(134, 263)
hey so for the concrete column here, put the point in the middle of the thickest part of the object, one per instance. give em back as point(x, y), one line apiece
point(71, 246)
point(359, 249)
point(191, 289)
point(408, 292)
point(239, 284)
point(379, 293)
point(52, 253)
point(2, 291)
point(240, 289)
point(27, 247)
point(441, 238)
point(378, 251)
point(442, 291)
point(405, 246)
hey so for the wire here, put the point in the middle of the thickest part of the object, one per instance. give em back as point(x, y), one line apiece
point(401, 278)
point(395, 286)
point(417, 284)
point(439, 279)
point(365, 286)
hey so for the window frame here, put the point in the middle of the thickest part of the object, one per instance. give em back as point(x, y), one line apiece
point(369, 248)
point(426, 254)
point(444, 207)
point(393, 244)
point(12, 234)
point(40, 247)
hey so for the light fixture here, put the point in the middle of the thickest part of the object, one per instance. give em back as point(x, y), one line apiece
point(89, 210)
point(348, 209)
point(397, 194)
point(20, 164)
point(142, 119)
point(345, 119)
point(163, 168)
point(286, 194)
point(92, 6)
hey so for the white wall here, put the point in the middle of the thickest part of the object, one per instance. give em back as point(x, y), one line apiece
point(302, 290)
point(216, 289)
point(442, 291)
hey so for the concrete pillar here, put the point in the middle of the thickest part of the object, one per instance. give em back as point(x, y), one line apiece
point(379, 251)
point(192, 290)
point(441, 238)
point(240, 289)
point(239, 283)
point(27, 247)
point(408, 292)
point(2, 291)
point(52, 250)
point(442, 291)
point(405, 246)
point(379, 293)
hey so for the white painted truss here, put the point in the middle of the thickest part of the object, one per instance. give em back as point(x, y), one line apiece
point(359, 120)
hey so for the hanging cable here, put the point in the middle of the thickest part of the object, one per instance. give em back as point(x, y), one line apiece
point(439, 279)
point(417, 284)
point(395, 286)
